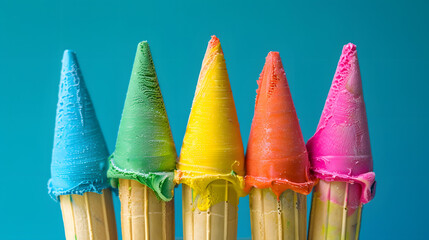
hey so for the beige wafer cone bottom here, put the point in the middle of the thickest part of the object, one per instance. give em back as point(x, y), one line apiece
point(89, 216)
point(143, 215)
point(219, 222)
point(335, 221)
point(282, 219)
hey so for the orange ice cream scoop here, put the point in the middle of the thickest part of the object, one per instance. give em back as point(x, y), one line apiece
point(276, 155)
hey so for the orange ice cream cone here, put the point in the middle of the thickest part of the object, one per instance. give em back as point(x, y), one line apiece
point(277, 166)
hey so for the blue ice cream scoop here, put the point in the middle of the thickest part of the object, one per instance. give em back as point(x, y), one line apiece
point(79, 156)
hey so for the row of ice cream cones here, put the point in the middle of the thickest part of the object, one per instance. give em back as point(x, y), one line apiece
point(278, 170)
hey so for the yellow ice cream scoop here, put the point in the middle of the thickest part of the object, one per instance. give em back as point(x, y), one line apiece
point(212, 148)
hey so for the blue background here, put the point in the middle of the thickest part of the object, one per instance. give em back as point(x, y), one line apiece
point(392, 39)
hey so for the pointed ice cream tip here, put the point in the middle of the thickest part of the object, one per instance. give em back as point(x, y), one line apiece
point(276, 156)
point(79, 157)
point(214, 41)
point(69, 57)
point(214, 45)
point(144, 49)
point(70, 65)
point(347, 66)
point(214, 50)
point(145, 149)
point(273, 56)
point(349, 47)
point(273, 69)
point(340, 149)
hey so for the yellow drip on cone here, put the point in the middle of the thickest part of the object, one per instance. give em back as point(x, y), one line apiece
point(212, 148)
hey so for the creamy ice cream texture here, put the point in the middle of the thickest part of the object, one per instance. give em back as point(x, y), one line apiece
point(79, 156)
point(340, 149)
point(145, 149)
point(276, 155)
point(212, 147)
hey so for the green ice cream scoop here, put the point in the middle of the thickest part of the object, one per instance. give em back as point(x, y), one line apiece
point(145, 149)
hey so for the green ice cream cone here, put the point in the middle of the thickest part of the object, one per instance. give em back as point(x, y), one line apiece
point(145, 149)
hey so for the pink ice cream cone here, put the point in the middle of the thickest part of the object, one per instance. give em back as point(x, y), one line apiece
point(340, 148)
point(340, 156)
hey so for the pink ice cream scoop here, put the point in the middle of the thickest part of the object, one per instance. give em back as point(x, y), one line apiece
point(340, 148)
